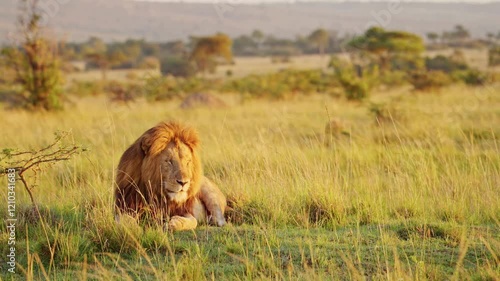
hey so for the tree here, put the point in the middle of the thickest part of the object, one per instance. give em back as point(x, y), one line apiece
point(494, 56)
point(207, 50)
point(320, 38)
point(460, 33)
point(258, 37)
point(384, 45)
point(177, 66)
point(244, 45)
point(490, 37)
point(104, 56)
point(35, 61)
point(432, 36)
point(94, 51)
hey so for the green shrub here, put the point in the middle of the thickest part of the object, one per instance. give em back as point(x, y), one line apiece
point(86, 88)
point(355, 89)
point(444, 64)
point(406, 62)
point(394, 78)
point(472, 77)
point(279, 85)
point(386, 113)
point(177, 66)
point(429, 80)
point(357, 81)
point(169, 87)
point(494, 56)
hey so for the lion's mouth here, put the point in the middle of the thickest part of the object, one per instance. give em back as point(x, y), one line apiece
point(174, 190)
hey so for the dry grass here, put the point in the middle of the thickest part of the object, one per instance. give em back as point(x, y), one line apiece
point(416, 199)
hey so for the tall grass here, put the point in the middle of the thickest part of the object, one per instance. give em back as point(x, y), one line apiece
point(416, 198)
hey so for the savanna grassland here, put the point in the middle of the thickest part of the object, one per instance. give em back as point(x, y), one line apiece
point(412, 196)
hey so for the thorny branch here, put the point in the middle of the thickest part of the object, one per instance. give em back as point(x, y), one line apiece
point(36, 160)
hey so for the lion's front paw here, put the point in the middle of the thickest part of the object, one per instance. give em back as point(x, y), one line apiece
point(182, 223)
point(217, 220)
point(175, 223)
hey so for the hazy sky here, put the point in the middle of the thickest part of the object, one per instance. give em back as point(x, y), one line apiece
point(302, 1)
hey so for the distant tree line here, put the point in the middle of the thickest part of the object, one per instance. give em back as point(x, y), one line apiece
point(376, 56)
point(180, 58)
point(459, 36)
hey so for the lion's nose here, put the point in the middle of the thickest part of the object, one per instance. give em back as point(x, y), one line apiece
point(182, 183)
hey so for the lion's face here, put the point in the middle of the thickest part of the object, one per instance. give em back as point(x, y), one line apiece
point(162, 162)
point(177, 170)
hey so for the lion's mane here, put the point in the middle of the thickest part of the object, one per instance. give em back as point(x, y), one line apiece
point(139, 179)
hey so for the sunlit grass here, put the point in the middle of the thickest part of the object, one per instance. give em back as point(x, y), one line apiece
point(416, 197)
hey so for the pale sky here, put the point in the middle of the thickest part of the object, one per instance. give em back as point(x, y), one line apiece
point(326, 1)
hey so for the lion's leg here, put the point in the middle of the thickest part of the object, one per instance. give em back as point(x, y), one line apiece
point(186, 222)
point(198, 211)
point(214, 200)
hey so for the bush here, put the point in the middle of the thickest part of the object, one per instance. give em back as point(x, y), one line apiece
point(494, 56)
point(472, 77)
point(86, 88)
point(394, 78)
point(177, 66)
point(444, 64)
point(149, 63)
point(116, 90)
point(357, 81)
point(386, 113)
point(406, 63)
point(169, 87)
point(36, 61)
point(429, 80)
point(279, 85)
point(122, 92)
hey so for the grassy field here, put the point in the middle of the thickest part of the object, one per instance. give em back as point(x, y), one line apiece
point(412, 198)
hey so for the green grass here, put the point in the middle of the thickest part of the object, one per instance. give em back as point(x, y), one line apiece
point(413, 198)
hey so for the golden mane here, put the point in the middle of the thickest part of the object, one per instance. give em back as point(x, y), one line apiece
point(139, 176)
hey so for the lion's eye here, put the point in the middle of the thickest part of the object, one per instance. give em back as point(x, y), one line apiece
point(169, 162)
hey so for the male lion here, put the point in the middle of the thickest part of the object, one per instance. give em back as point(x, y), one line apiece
point(160, 174)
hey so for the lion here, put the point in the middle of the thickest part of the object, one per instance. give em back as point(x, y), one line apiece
point(160, 174)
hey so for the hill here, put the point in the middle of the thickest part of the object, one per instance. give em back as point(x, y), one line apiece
point(111, 20)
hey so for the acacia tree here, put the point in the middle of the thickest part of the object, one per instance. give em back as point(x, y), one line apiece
point(35, 61)
point(320, 38)
point(207, 50)
point(384, 45)
point(432, 36)
point(258, 37)
point(95, 51)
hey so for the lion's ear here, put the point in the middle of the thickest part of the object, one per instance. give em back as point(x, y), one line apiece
point(146, 141)
point(190, 137)
point(154, 141)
